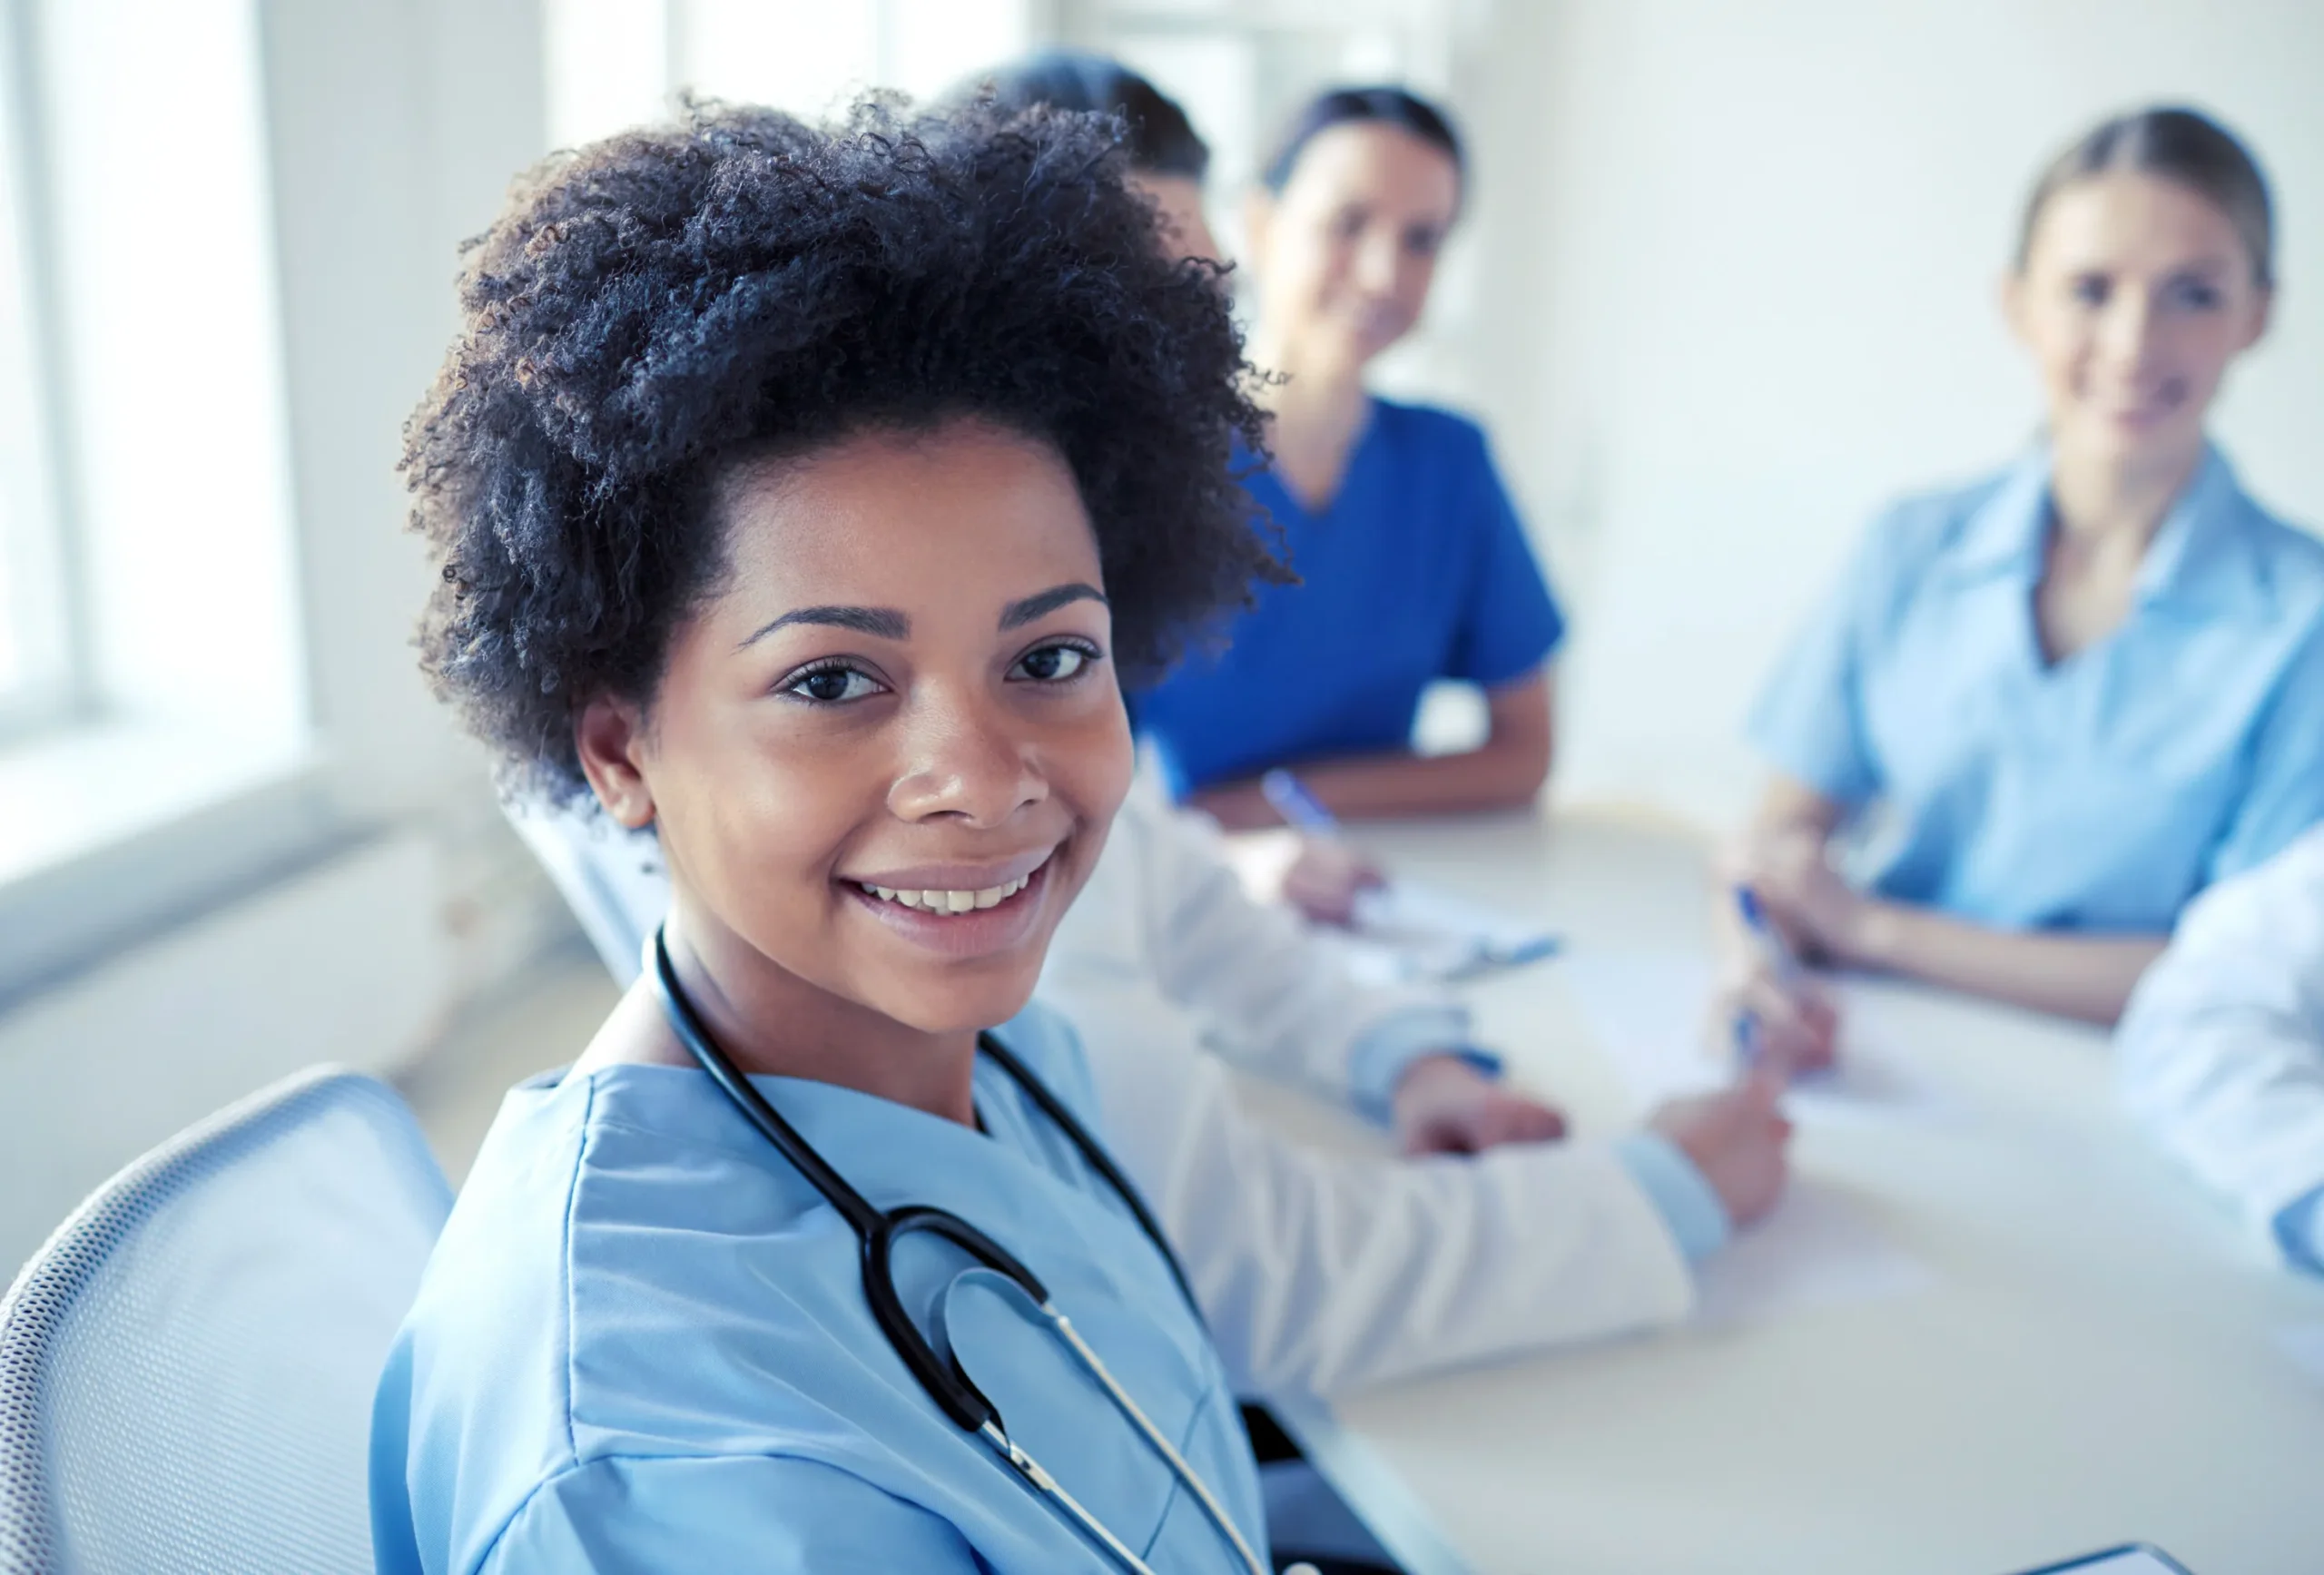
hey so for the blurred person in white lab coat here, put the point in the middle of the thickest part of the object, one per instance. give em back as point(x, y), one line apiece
point(2221, 1052)
point(1319, 1272)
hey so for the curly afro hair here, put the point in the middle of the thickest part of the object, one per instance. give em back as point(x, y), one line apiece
point(658, 307)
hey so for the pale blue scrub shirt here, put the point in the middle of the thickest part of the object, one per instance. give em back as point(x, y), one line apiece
point(643, 1344)
point(2098, 794)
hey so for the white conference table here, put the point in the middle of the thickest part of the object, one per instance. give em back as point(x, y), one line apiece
point(2091, 1362)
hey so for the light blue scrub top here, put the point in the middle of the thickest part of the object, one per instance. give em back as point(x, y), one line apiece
point(2099, 794)
point(643, 1344)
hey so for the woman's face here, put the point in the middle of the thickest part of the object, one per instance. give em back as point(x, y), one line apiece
point(883, 756)
point(2135, 295)
point(1346, 252)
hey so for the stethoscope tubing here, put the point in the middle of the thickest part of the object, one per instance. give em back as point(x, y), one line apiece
point(878, 1230)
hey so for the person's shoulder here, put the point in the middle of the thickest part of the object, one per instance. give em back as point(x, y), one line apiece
point(523, 1171)
point(2290, 560)
point(475, 1384)
point(1917, 533)
point(1931, 521)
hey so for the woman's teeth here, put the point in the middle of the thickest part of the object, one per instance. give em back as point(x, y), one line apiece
point(951, 901)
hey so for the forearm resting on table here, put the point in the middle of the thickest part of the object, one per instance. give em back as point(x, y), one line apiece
point(1505, 771)
point(2077, 976)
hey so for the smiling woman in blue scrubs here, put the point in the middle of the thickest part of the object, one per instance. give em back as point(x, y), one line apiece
point(2083, 689)
point(1413, 563)
point(798, 494)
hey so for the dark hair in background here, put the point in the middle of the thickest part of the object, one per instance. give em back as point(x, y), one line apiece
point(1161, 140)
point(2176, 144)
point(657, 308)
point(1345, 106)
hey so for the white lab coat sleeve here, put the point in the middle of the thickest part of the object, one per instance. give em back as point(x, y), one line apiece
point(1268, 995)
point(2220, 1051)
point(1322, 1274)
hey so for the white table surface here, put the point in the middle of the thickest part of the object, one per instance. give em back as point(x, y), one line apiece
point(2095, 1362)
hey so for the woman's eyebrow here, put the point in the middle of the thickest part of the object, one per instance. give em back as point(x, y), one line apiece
point(1042, 603)
point(884, 622)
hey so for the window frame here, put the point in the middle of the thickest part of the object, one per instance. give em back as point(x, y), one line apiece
point(44, 595)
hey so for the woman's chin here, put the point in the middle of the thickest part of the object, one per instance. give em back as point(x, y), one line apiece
point(969, 1000)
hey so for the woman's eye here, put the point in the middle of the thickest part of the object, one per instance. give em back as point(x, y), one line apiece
point(1423, 243)
point(2195, 294)
point(2091, 290)
point(831, 685)
point(1052, 664)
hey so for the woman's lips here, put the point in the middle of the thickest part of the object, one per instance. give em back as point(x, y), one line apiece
point(996, 918)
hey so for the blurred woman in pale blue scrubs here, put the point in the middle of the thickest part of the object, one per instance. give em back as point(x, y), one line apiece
point(2079, 691)
point(799, 494)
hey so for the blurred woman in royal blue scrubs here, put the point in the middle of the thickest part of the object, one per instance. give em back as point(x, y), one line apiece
point(2083, 689)
point(1413, 563)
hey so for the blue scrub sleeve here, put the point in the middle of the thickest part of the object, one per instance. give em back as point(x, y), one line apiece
point(759, 1512)
point(2285, 795)
point(1680, 1192)
point(1511, 624)
point(2299, 1231)
point(1809, 722)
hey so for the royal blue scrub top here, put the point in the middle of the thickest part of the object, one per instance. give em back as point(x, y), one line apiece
point(643, 1344)
point(1417, 570)
point(2097, 794)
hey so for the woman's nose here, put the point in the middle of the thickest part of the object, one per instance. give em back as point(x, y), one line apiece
point(966, 759)
point(2126, 330)
point(1378, 260)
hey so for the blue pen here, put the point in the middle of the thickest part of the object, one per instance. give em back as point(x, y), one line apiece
point(1300, 809)
point(1779, 957)
point(1765, 935)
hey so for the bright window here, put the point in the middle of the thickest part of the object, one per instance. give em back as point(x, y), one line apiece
point(37, 681)
point(615, 63)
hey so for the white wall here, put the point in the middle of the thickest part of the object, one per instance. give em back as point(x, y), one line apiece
point(340, 963)
point(1748, 294)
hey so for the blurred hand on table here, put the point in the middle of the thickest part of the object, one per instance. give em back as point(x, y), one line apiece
point(1444, 1105)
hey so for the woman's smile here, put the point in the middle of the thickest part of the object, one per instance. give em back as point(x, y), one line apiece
point(959, 912)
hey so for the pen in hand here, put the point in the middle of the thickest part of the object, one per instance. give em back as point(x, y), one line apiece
point(1301, 810)
point(1749, 1043)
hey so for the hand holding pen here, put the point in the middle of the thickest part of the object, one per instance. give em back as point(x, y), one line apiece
point(1771, 1012)
point(1328, 875)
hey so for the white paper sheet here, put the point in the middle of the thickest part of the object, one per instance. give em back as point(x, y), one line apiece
point(1817, 1249)
point(1408, 931)
point(1646, 1010)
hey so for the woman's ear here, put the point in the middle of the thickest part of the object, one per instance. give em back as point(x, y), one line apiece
point(2263, 311)
point(609, 736)
point(2009, 294)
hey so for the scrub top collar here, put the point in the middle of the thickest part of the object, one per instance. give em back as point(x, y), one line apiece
point(2201, 557)
point(664, 1100)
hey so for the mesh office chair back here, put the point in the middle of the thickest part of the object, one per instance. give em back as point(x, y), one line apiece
point(186, 1368)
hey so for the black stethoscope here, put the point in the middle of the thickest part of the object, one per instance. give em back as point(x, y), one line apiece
point(879, 1230)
